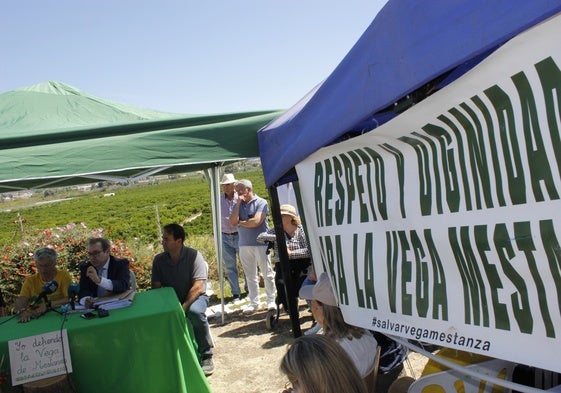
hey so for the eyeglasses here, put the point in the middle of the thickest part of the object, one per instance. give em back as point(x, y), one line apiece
point(94, 253)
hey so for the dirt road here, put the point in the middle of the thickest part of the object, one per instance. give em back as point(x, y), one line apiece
point(247, 355)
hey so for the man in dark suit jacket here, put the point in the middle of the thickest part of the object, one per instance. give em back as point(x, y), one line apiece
point(103, 272)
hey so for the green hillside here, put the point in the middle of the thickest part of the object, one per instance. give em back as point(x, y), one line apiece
point(134, 211)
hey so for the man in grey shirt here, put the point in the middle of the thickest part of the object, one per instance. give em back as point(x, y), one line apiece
point(250, 216)
point(185, 270)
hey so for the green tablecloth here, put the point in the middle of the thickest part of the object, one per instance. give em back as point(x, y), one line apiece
point(147, 347)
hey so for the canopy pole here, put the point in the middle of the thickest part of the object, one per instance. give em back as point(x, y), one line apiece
point(213, 176)
point(291, 291)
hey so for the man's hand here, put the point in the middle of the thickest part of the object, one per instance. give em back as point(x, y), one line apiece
point(89, 303)
point(29, 314)
point(25, 316)
point(242, 195)
point(91, 273)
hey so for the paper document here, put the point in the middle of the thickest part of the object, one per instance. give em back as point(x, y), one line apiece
point(114, 302)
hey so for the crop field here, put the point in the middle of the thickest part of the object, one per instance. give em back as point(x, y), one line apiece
point(130, 216)
point(135, 211)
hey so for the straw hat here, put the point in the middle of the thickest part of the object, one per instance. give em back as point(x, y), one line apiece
point(228, 178)
point(288, 210)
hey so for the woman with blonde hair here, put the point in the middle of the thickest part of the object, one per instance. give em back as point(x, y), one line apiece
point(358, 343)
point(317, 364)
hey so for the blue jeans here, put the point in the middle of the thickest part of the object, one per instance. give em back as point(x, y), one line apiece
point(229, 250)
point(197, 317)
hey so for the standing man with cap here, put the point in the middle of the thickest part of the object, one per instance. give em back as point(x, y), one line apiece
point(250, 216)
point(230, 247)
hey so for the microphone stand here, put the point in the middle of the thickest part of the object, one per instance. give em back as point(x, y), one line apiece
point(48, 306)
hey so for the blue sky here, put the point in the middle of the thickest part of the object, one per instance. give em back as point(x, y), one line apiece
point(180, 55)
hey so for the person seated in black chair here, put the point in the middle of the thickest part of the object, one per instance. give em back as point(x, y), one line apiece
point(296, 243)
point(392, 357)
point(296, 247)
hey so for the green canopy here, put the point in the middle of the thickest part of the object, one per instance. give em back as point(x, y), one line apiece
point(54, 135)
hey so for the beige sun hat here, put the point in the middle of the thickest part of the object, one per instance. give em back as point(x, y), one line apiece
point(288, 210)
point(228, 178)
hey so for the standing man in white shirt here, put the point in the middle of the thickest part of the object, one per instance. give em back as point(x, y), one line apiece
point(230, 247)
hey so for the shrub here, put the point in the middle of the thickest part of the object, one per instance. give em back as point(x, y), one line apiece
point(70, 243)
point(130, 219)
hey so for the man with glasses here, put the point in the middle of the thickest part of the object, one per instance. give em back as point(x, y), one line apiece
point(27, 304)
point(102, 274)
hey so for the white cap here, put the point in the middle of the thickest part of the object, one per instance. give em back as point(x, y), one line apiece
point(321, 291)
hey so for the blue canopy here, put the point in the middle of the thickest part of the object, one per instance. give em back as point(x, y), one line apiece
point(410, 46)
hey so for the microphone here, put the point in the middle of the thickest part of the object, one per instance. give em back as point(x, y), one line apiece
point(73, 290)
point(47, 289)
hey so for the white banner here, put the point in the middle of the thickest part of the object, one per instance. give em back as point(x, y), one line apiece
point(443, 225)
point(38, 357)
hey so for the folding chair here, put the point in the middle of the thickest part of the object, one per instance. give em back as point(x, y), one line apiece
point(452, 381)
point(371, 378)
